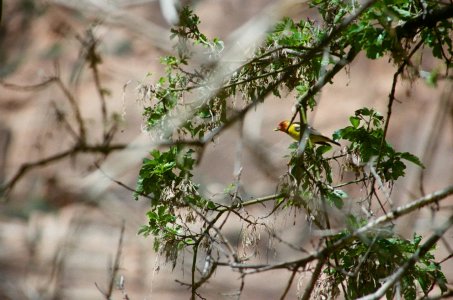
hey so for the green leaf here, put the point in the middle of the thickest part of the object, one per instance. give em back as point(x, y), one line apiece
point(417, 239)
point(354, 222)
point(441, 281)
point(336, 198)
point(364, 112)
point(402, 13)
point(144, 230)
point(340, 193)
point(430, 78)
point(323, 149)
point(355, 121)
point(412, 158)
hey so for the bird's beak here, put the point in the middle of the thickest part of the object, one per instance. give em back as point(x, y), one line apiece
point(277, 129)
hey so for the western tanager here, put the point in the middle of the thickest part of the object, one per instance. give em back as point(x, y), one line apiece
point(294, 130)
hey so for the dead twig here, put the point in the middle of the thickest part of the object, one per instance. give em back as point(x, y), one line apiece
point(26, 167)
point(115, 267)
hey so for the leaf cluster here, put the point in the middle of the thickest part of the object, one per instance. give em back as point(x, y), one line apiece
point(301, 57)
point(366, 262)
point(368, 145)
point(165, 179)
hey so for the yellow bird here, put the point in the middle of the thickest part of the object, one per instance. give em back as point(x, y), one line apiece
point(294, 130)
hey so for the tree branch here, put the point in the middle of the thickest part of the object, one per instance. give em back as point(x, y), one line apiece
point(313, 280)
point(421, 251)
point(326, 251)
point(430, 19)
point(26, 167)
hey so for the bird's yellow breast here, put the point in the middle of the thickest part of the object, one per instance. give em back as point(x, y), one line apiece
point(294, 131)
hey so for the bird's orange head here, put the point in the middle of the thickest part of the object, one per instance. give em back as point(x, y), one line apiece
point(282, 126)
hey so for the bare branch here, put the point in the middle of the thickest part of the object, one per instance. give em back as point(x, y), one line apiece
point(26, 167)
point(313, 280)
point(75, 109)
point(114, 268)
point(116, 263)
point(28, 88)
point(446, 295)
point(288, 285)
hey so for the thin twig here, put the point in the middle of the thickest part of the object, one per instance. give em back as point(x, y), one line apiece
point(75, 109)
point(313, 280)
point(26, 167)
point(94, 60)
point(446, 295)
point(116, 263)
point(250, 202)
point(28, 88)
point(115, 267)
point(290, 282)
point(326, 251)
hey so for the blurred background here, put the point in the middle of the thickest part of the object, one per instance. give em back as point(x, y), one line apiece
point(57, 242)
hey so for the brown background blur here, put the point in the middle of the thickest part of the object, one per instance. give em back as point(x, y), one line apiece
point(56, 245)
